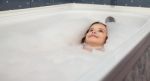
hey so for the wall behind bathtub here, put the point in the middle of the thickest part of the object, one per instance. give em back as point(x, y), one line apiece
point(19, 4)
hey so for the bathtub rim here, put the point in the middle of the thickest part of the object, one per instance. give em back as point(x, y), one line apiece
point(76, 6)
point(55, 9)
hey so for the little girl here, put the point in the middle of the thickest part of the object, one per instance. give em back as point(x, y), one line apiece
point(95, 37)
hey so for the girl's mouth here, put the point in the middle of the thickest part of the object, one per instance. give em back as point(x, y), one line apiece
point(93, 36)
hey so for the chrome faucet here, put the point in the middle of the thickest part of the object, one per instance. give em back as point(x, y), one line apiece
point(110, 19)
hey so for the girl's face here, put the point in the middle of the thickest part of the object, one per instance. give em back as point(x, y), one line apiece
point(96, 35)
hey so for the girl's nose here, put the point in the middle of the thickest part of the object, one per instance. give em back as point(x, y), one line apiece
point(93, 32)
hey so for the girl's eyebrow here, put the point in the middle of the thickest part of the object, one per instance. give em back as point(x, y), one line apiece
point(91, 28)
point(101, 28)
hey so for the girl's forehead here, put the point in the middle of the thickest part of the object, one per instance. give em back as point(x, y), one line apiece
point(101, 26)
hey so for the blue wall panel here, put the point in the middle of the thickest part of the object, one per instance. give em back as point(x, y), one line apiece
point(1, 4)
point(17, 4)
point(14, 4)
point(93, 1)
point(36, 3)
point(62, 1)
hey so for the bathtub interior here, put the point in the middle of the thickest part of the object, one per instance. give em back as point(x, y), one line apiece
point(68, 28)
point(46, 48)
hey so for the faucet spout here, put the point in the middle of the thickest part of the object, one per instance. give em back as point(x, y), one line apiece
point(110, 19)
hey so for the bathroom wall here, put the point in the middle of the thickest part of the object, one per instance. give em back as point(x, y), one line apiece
point(17, 4)
point(141, 70)
point(93, 1)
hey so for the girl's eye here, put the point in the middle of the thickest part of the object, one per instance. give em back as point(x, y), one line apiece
point(91, 30)
point(100, 30)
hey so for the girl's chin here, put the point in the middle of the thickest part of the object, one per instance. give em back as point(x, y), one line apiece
point(93, 39)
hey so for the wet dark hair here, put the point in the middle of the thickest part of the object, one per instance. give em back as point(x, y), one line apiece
point(83, 39)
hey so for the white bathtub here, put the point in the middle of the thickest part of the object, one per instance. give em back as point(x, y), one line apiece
point(43, 44)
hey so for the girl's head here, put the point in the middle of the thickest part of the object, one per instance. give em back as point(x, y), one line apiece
point(96, 35)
